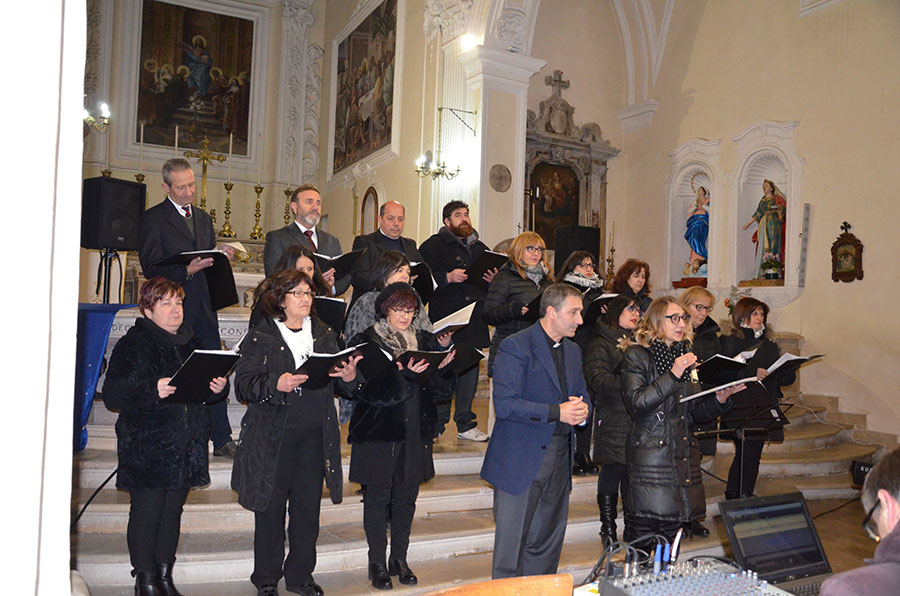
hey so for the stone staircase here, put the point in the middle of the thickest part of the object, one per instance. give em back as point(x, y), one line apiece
point(452, 535)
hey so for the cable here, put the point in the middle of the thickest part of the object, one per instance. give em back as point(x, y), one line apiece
point(825, 422)
point(842, 505)
point(85, 506)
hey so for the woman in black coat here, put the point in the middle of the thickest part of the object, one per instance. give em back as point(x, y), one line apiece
point(633, 280)
point(749, 318)
point(289, 435)
point(665, 489)
point(161, 446)
point(391, 430)
point(602, 372)
point(518, 282)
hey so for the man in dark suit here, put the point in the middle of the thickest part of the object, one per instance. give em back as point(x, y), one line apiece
point(172, 227)
point(306, 203)
point(391, 218)
point(539, 394)
point(448, 254)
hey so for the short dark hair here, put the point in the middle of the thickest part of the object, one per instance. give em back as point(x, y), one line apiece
point(289, 258)
point(620, 282)
point(885, 475)
point(396, 295)
point(452, 206)
point(388, 262)
point(176, 164)
point(303, 188)
point(742, 311)
point(555, 295)
point(615, 308)
point(154, 290)
point(573, 261)
point(277, 288)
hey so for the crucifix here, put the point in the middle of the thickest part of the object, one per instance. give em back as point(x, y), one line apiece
point(846, 227)
point(204, 156)
point(557, 82)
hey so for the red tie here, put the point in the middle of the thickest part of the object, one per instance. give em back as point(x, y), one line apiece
point(308, 234)
point(187, 211)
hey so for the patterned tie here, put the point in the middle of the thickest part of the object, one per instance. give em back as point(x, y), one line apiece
point(308, 234)
point(187, 211)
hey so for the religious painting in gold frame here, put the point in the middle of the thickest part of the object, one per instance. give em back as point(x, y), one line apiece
point(846, 256)
point(556, 202)
point(368, 219)
point(195, 72)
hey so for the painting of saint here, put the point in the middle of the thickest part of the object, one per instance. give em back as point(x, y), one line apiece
point(697, 233)
point(195, 73)
point(769, 236)
point(365, 87)
point(556, 202)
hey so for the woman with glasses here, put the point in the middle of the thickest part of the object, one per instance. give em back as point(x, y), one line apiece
point(633, 280)
point(517, 283)
point(290, 440)
point(602, 372)
point(579, 270)
point(295, 256)
point(391, 430)
point(750, 333)
point(665, 490)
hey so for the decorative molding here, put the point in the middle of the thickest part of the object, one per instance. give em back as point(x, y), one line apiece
point(643, 42)
point(807, 7)
point(638, 116)
point(296, 19)
point(314, 55)
point(512, 30)
point(510, 25)
point(448, 18)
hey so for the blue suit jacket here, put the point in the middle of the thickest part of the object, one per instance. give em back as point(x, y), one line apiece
point(525, 384)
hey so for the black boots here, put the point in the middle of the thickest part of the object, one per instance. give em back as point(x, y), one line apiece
point(145, 583)
point(164, 580)
point(379, 576)
point(583, 465)
point(608, 503)
point(404, 574)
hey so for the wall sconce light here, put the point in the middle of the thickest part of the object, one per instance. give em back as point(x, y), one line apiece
point(99, 124)
point(426, 165)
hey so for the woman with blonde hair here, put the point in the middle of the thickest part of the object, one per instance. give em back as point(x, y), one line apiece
point(516, 284)
point(665, 490)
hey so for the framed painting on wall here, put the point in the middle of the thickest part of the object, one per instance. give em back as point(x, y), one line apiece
point(557, 202)
point(365, 73)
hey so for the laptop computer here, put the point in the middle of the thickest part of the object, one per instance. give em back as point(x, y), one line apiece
point(775, 537)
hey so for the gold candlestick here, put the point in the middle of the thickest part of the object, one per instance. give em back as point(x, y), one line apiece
point(227, 230)
point(204, 156)
point(212, 215)
point(256, 233)
point(610, 269)
point(287, 205)
point(139, 178)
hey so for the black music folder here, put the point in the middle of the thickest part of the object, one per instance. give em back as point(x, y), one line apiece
point(485, 262)
point(454, 321)
point(342, 264)
point(191, 381)
point(595, 309)
point(534, 310)
point(318, 366)
point(331, 311)
point(219, 277)
point(424, 283)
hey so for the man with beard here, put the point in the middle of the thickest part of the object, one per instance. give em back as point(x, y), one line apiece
point(449, 253)
point(306, 203)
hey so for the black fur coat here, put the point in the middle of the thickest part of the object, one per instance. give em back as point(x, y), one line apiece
point(161, 445)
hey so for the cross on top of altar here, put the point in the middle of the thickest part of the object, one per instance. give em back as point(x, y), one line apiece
point(203, 157)
point(557, 82)
point(846, 227)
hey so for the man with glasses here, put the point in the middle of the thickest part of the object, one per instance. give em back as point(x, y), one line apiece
point(881, 498)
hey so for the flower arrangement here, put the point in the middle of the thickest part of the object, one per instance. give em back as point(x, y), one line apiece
point(771, 261)
point(733, 296)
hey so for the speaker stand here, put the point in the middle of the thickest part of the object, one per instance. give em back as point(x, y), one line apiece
point(106, 258)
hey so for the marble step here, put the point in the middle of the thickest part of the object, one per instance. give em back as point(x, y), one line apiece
point(451, 456)
point(216, 510)
point(816, 462)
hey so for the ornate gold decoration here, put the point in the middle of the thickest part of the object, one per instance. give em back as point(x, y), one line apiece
point(139, 178)
point(227, 230)
point(610, 269)
point(203, 157)
point(256, 233)
point(287, 205)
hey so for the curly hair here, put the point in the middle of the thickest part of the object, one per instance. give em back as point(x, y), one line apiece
point(276, 289)
point(156, 289)
point(620, 282)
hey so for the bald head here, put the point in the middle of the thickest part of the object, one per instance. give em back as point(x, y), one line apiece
point(391, 217)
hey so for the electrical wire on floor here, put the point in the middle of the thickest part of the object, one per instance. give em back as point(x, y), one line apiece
point(85, 506)
point(833, 509)
point(815, 415)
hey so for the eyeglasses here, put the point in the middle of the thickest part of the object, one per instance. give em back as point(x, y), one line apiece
point(633, 308)
point(869, 526)
point(678, 318)
point(586, 265)
point(702, 308)
point(534, 249)
point(300, 293)
point(405, 311)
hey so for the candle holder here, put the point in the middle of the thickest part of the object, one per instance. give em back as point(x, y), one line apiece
point(256, 233)
point(227, 230)
point(212, 216)
point(287, 205)
point(106, 173)
point(139, 178)
point(610, 269)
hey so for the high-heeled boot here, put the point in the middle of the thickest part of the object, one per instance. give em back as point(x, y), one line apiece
point(145, 583)
point(608, 503)
point(164, 580)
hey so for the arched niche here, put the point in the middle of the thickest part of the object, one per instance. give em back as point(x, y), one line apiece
point(765, 150)
point(694, 164)
point(369, 211)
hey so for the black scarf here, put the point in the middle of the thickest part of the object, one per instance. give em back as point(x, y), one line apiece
point(664, 356)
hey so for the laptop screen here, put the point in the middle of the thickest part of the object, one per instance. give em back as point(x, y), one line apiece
point(775, 537)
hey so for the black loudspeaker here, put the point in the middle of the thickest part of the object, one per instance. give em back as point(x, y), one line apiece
point(111, 213)
point(572, 238)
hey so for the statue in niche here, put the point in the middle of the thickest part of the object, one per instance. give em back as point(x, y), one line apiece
point(697, 233)
point(769, 236)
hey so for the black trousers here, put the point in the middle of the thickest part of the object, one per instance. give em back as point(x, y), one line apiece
point(530, 527)
point(401, 495)
point(583, 439)
point(612, 480)
point(464, 417)
point(642, 526)
point(299, 473)
point(744, 468)
point(154, 523)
